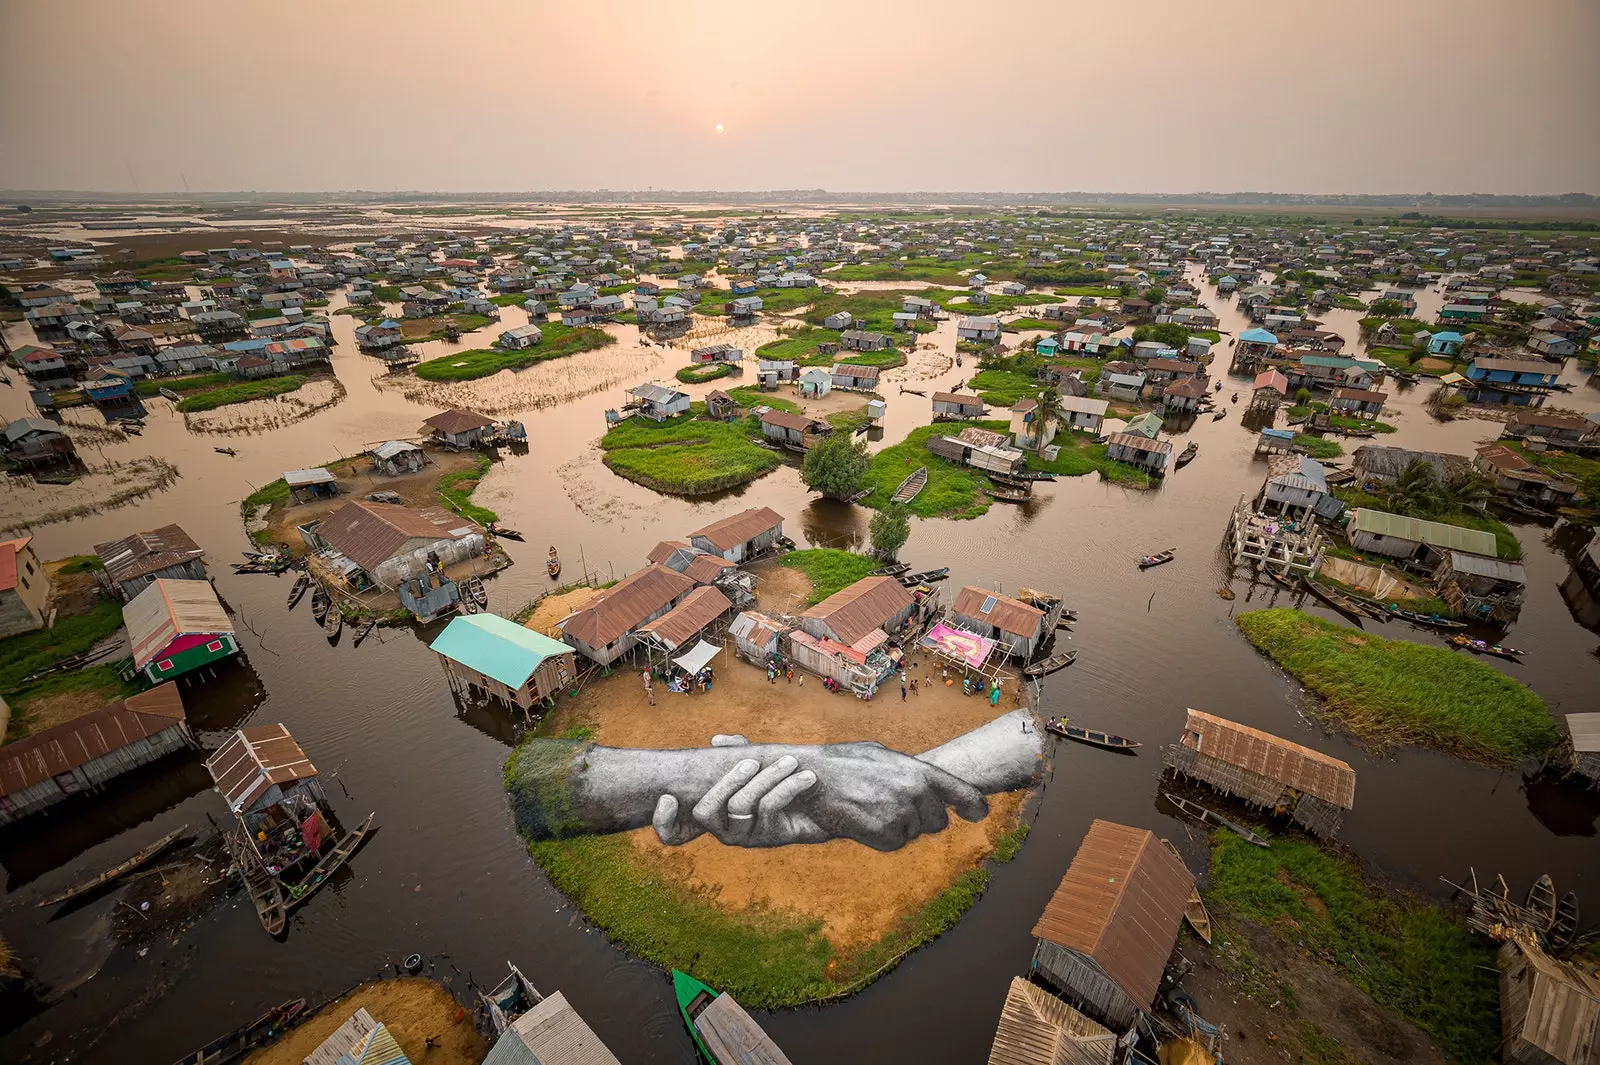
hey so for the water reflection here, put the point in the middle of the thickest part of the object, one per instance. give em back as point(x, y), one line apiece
point(1562, 804)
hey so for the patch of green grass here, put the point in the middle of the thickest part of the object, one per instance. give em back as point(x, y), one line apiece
point(1002, 388)
point(1033, 323)
point(952, 491)
point(1581, 471)
point(559, 342)
point(81, 564)
point(956, 302)
point(694, 375)
point(886, 359)
point(28, 652)
point(509, 299)
point(241, 392)
point(689, 455)
point(182, 385)
point(1348, 303)
point(104, 681)
point(455, 491)
point(933, 271)
point(267, 495)
point(1506, 544)
point(828, 569)
point(1319, 447)
point(1409, 955)
point(749, 397)
point(765, 958)
point(875, 309)
point(773, 300)
point(799, 343)
point(1081, 455)
point(1102, 291)
point(1009, 845)
point(1395, 691)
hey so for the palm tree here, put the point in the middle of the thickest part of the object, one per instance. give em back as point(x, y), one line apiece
point(1469, 488)
point(1416, 491)
point(1047, 412)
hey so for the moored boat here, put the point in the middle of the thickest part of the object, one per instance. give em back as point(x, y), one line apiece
point(301, 583)
point(121, 868)
point(362, 632)
point(510, 999)
point(245, 1038)
point(1430, 620)
point(332, 621)
point(1211, 817)
point(1146, 561)
point(1092, 737)
point(552, 564)
point(722, 1031)
point(1194, 912)
point(908, 489)
point(224, 451)
point(910, 580)
point(167, 393)
point(1007, 495)
point(473, 587)
point(892, 570)
point(1217, 416)
point(1187, 455)
point(1484, 647)
point(1051, 664)
point(505, 534)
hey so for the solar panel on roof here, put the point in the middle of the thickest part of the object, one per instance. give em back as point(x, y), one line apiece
point(988, 605)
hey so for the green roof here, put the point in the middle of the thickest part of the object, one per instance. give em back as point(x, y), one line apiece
point(1339, 362)
point(496, 647)
point(1432, 533)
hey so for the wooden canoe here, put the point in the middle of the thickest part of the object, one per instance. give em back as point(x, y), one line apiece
point(722, 1031)
point(1007, 495)
point(1092, 737)
point(1211, 817)
point(341, 852)
point(364, 631)
point(911, 580)
point(120, 869)
point(1146, 561)
point(911, 485)
point(1194, 911)
point(1187, 455)
point(332, 622)
point(239, 1042)
point(890, 571)
point(301, 583)
point(1051, 664)
point(1483, 647)
point(510, 999)
point(474, 588)
point(1542, 901)
point(1566, 923)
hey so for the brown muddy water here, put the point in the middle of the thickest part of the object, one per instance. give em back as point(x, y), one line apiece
point(446, 875)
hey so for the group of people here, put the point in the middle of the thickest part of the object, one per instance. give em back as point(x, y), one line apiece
point(678, 681)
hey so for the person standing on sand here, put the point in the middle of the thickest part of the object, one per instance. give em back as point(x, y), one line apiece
point(913, 685)
point(994, 694)
point(649, 692)
point(902, 690)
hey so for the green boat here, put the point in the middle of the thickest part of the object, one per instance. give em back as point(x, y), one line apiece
point(720, 1028)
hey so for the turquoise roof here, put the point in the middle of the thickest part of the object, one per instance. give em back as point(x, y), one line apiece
point(1257, 336)
point(496, 647)
point(1447, 335)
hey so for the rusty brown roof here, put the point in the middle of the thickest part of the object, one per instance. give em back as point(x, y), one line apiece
point(680, 624)
point(1120, 904)
point(956, 398)
point(784, 420)
point(1363, 395)
point(854, 611)
point(1271, 756)
point(372, 533)
point(663, 551)
point(88, 736)
point(457, 421)
point(707, 568)
point(1037, 1028)
point(147, 552)
point(245, 767)
point(739, 528)
point(626, 605)
point(1006, 614)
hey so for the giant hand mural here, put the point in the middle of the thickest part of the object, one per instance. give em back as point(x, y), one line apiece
point(770, 794)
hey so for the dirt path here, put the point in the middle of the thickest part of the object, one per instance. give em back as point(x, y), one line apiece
point(413, 1009)
point(552, 608)
point(857, 892)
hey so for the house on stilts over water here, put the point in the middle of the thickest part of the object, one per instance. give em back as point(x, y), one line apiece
point(288, 843)
point(1313, 789)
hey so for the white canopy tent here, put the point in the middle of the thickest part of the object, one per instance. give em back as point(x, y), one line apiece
point(697, 657)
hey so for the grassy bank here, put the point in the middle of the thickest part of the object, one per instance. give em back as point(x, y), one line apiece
point(956, 303)
point(559, 342)
point(1319, 447)
point(876, 309)
point(952, 491)
point(29, 652)
point(799, 343)
point(1409, 956)
point(455, 491)
point(182, 385)
point(688, 455)
point(1395, 691)
point(1081, 455)
point(694, 375)
point(240, 392)
point(1583, 472)
point(828, 569)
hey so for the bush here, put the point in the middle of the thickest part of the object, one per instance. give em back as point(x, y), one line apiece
point(837, 466)
point(889, 530)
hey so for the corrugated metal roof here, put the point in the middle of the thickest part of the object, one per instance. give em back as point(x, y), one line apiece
point(1120, 904)
point(253, 760)
point(344, 1039)
point(1585, 732)
point(1483, 566)
point(854, 611)
point(739, 528)
point(451, 422)
point(43, 755)
point(318, 475)
point(378, 1047)
point(1432, 533)
point(1037, 1028)
point(1004, 613)
point(651, 392)
point(1271, 756)
point(496, 647)
point(373, 533)
point(626, 605)
point(558, 1036)
point(167, 609)
point(147, 552)
point(760, 629)
point(683, 622)
point(390, 448)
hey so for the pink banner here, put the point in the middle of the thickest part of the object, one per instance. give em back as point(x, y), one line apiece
point(968, 647)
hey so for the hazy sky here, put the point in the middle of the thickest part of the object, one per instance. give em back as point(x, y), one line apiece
point(855, 95)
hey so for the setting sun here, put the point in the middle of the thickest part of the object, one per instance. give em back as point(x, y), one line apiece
point(719, 127)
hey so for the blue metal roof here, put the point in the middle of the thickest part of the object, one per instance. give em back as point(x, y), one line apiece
point(496, 647)
point(1258, 336)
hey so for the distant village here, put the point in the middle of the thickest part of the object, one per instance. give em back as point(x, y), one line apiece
point(1083, 346)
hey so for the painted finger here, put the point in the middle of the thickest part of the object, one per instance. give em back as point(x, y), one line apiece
point(931, 815)
point(953, 791)
point(785, 792)
point(735, 740)
point(669, 830)
point(711, 810)
point(746, 799)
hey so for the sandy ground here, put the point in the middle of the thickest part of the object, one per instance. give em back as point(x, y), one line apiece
point(1265, 1029)
point(822, 406)
point(356, 479)
point(859, 893)
point(781, 590)
point(413, 1009)
point(552, 608)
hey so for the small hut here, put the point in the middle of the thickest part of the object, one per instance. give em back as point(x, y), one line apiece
point(1012, 624)
point(758, 637)
point(512, 663)
point(1105, 936)
point(1265, 770)
point(1549, 1009)
point(1584, 732)
point(1037, 1028)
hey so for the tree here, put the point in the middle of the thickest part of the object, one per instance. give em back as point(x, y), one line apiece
point(1171, 334)
point(837, 466)
point(1302, 397)
point(1386, 309)
point(1047, 412)
point(1155, 295)
point(1468, 489)
point(1416, 491)
point(889, 529)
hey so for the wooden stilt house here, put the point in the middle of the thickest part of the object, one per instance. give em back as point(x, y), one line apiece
point(1313, 789)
